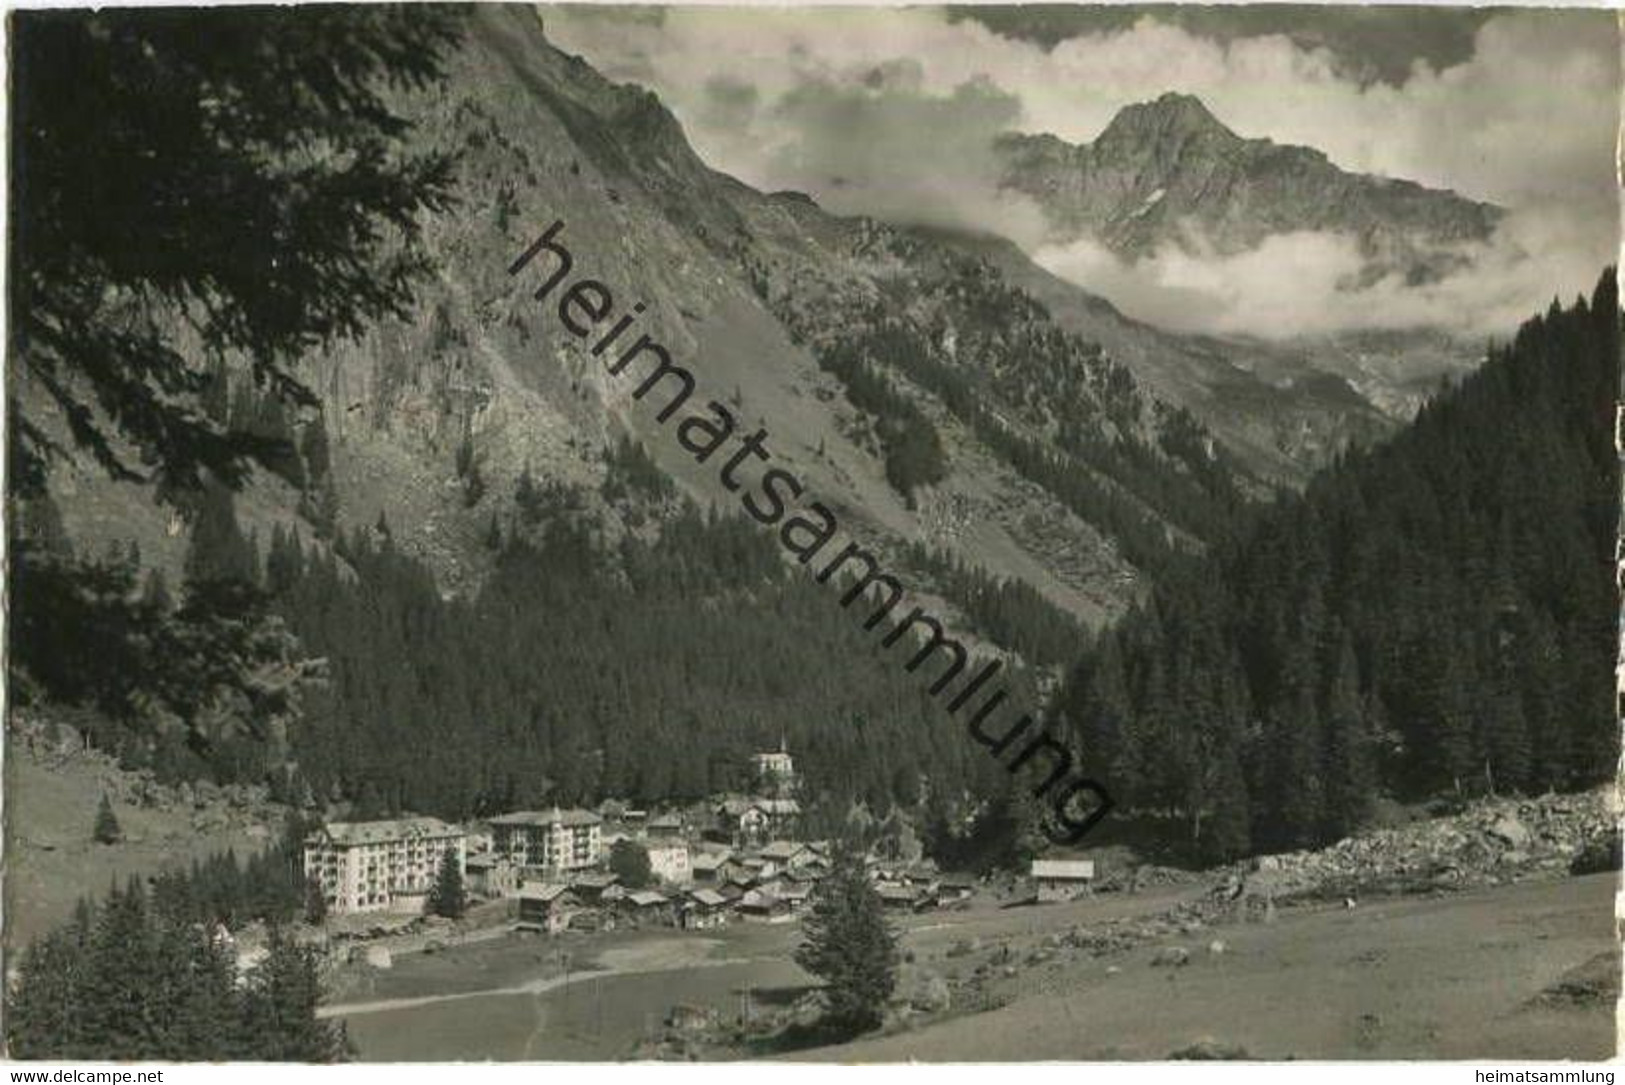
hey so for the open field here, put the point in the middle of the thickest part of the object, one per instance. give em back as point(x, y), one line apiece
point(1451, 976)
point(51, 860)
point(1448, 977)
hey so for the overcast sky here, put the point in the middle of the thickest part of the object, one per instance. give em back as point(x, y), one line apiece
point(891, 111)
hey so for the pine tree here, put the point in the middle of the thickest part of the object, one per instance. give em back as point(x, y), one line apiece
point(109, 124)
point(849, 944)
point(629, 860)
point(447, 896)
point(107, 829)
point(279, 1007)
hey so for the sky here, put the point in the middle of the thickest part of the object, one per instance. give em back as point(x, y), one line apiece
point(892, 112)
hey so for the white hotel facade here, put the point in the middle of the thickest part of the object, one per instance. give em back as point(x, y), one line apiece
point(369, 866)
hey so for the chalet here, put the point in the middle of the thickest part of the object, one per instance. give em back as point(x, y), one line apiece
point(743, 821)
point(477, 837)
point(491, 875)
point(922, 875)
point(646, 908)
point(546, 907)
point(764, 906)
point(590, 920)
point(704, 908)
point(787, 854)
point(735, 873)
point(798, 895)
point(666, 827)
point(759, 867)
point(1062, 879)
point(897, 897)
point(783, 815)
point(955, 888)
point(705, 868)
point(589, 887)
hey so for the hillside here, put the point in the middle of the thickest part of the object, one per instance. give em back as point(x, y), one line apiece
point(740, 282)
point(1035, 462)
point(1434, 616)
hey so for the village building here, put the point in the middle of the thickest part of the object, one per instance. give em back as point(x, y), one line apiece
point(589, 887)
point(552, 840)
point(623, 817)
point(491, 875)
point(477, 837)
point(774, 771)
point(788, 854)
point(704, 909)
point(898, 897)
point(705, 867)
point(955, 889)
point(367, 866)
point(669, 861)
point(546, 907)
point(798, 895)
point(750, 822)
point(1062, 879)
point(764, 906)
point(666, 827)
point(647, 908)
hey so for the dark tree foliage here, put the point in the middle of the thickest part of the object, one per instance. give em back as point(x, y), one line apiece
point(848, 943)
point(1010, 612)
point(149, 975)
point(195, 185)
point(447, 897)
point(908, 441)
point(578, 674)
point(629, 862)
point(106, 829)
point(1434, 616)
point(630, 472)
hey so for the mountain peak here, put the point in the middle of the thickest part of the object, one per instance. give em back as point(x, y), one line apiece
point(1172, 116)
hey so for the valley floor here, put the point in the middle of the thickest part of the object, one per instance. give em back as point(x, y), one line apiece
point(1467, 975)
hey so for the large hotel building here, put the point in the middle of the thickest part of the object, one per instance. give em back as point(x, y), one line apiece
point(367, 866)
point(554, 840)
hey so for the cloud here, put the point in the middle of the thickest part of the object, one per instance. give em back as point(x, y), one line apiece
point(892, 112)
point(1311, 283)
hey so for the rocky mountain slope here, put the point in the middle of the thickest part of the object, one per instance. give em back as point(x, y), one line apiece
point(1075, 445)
point(1168, 171)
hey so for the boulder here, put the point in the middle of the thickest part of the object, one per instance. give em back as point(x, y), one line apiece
point(1509, 831)
point(930, 994)
point(1171, 957)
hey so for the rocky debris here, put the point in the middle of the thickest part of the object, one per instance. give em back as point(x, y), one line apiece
point(929, 993)
point(1209, 1050)
point(1594, 983)
point(1491, 842)
point(1171, 957)
point(1510, 831)
point(1598, 854)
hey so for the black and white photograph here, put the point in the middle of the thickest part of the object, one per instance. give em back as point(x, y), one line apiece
point(801, 534)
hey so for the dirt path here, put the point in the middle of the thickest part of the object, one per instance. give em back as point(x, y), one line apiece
point(629, 966)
